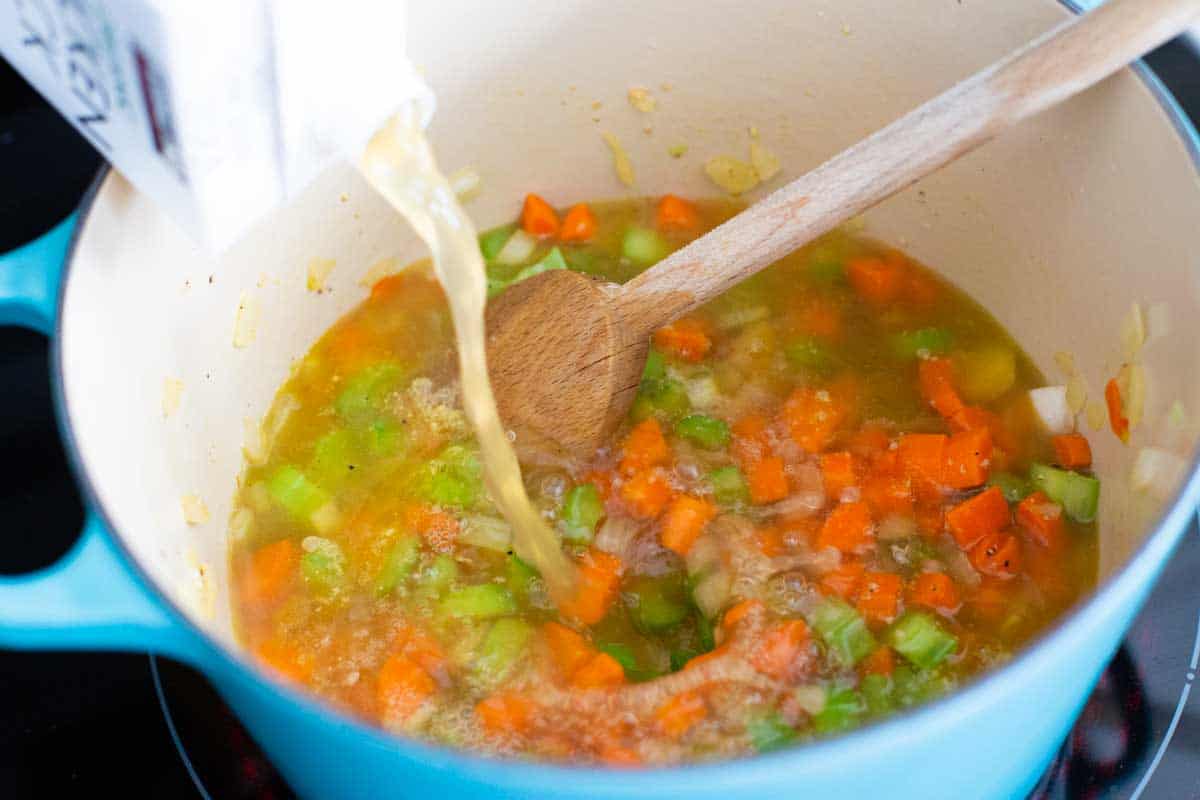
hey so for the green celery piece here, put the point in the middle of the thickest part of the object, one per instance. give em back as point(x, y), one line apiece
point(656, 366)
point(384, 438)
point(844, 708)
point(399, 564)
point(362, 400)
point(299, 496)
point(912, 686)
point(495, 286)
point(657, 604)
point(493, 241)
point(877, 692)
point(333, 457)
point(704, 630)
point(589, 262)
point(1079, 495)
point(679, 658)
point(502, 647)
point(438, 576)
point(479, 601)
point(769, 732)
point(843, 630)
point(923, 342)
point(454, 478)
point(581, 512)
point(552, 260)
point(625, 656)
point(708, 432)
point(324, 566)
point(729, 486)
point(1014, 487)
point(921, 639)
point(518, 577)
point(671, 400)
point(643, 246)
point(809, 353)
point(825, 270)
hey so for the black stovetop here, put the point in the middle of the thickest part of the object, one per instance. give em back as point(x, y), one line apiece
point(127, 725)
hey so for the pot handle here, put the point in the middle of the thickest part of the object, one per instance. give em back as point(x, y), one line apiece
point(90, 598)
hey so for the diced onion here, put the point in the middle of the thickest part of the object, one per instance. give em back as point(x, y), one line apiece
point(641, 99)
point(1065, 362)
point(702, 391)
point(766, 163)
point(240, 523)
point(194, 510)
point(1157, 471)
point(487, 532)
point(810, 699)
point(621, 162)
point(1077, 394)
point(1097, 415)
point(1132, 380)
point(517, 249)
point(318, 272)
point(1050, 403)
point(712, 592)
point(1133, 332)
point(326, 518)
point(734, 176)
point(465, 182)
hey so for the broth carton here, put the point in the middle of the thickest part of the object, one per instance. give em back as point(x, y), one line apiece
point(219, 110)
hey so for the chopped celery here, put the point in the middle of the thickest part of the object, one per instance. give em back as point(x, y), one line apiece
point(679, 658)
point(299, 496)
point(582, 510)
point(1014, 487)
point(809, 353)
point(643, 246)
point(708, 432)
point(333, 457)
point(519, 578)
point(480, 601)
point(921, 639)
point(454, 478)
point(656, 366)
point(770, 732)
point(492, 241)
point(657, 604)
point(1079, 495)
point(922, 343)
point(628, 660)
point(912, 686)
point(844, 708)
point(552, 260)
point(442, 572)
point(495, 286)
point(843, 630)
point(323, 564)
point(586, 261)
point(729, 486)
point(363, 398)
point(502, 647)
point(399, 564)
point(877, 691)
point(825, 270)
point(383, 438)
point(665, 398)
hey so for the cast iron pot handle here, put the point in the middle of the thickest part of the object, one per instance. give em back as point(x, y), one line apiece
point(90, 598)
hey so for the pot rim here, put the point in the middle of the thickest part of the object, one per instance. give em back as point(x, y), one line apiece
point(1150, 556)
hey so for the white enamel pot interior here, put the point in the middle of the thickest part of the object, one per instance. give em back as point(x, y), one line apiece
point(1057, 228)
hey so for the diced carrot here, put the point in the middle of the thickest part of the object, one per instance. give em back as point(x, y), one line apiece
point(991, 598)
point(881, 661)
point(1071, 450)
point(1042, 519)
point(997, 554)
point(779, 647)
point(505, 713)
point(619, 756)
point(750, 440)
point(818, 317)
point(848, 528)
point(704, 658)
point(1116, 410)
point(538, 218)
point(936, 376)
point(843, 581)
point(600, 670)
point(868, 442)
point(923, 455)
point(921, 290)
point(272, 570)
point(684, 521)
point(840, 471)
point(812, 416)
point(888, 493)
point(685, 338)
point(644, 447)
point(647, 493)
point(439, 528)
point(401, 688)
point(738, 612)
point(352, 346)
point(567, 647)
point(770, 542)
point(676, 214)
point(876, 280)
point(931, 518)
point(935, 590)
point(979, 516)
point(422, 648)
point(767, 480)
point(285, 660)
point(579, 225)
point(968, 457)
point(879, 598)
point(599, 576)
point(677, 716)
point(388, 287)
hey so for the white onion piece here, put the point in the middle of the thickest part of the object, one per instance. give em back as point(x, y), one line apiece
point(1050, 403)
point(712, 592)
point(1157, 471)
point(517, 249)
point(896, 526)
point(490, 533)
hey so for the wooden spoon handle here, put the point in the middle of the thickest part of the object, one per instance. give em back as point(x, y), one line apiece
point(1066, 60)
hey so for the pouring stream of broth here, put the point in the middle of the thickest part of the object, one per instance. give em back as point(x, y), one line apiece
point(399, 163)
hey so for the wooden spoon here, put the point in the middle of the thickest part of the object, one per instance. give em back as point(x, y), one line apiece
point(566, 353)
